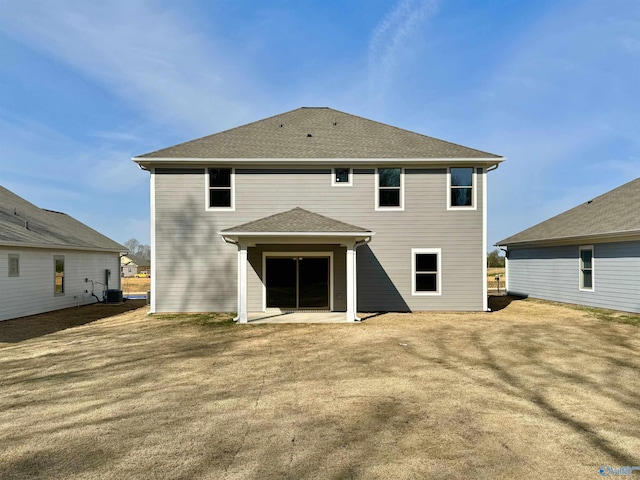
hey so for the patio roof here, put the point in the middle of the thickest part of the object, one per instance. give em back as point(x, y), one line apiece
point(296, 222)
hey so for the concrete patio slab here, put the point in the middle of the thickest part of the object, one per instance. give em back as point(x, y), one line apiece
point(297, 317)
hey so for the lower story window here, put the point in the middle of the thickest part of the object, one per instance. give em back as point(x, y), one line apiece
point(58, 284)
point(586, 268)
point(426, 271)
point(14, 265)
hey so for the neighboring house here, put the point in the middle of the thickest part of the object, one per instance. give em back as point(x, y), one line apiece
point(130, 265)
point(50, 261)
point(589, 255)
point(321, 210)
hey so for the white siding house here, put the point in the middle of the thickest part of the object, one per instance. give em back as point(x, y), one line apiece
point(49, 261)
point(589, 255)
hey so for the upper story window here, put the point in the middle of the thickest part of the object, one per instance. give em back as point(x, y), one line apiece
point(586, 268)
point(220, 183)
point(461, 188)
point(341, 177)
point(14, 265)
point(426, 271)
point(389, 189)
point(58, 275)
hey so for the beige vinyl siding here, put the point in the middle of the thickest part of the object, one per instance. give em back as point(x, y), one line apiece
point(32, 291)
point(196, 270)
point(552, 273)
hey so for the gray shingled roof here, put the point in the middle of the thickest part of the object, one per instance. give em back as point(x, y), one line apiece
point(297, 220)
point(317, 133)
point(22, 223)
point(614, 213)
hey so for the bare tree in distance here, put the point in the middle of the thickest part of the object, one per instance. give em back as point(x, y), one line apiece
point(138, 249)
point(494, 259)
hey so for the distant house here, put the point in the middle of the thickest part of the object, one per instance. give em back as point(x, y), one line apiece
point(589, 255)
point(50, 261)
point(317, 209)
point(131, 265)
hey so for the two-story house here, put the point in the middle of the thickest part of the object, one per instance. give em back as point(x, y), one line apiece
point(316, 209)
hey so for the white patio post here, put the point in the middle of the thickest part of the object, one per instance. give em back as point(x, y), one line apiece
point(242, 284)
point(351, 283)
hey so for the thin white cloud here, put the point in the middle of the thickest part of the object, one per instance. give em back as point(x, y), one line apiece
point(562, 108)
point(147, 53)
point(391, 39)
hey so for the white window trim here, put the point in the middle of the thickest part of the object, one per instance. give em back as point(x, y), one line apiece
point(474, 189)
point(341, 184)
point(233, 191)
point(298, 254)
point(415, 251)
point(593, 268)
point(64, 267)
point(13, 256)
point(377, 190)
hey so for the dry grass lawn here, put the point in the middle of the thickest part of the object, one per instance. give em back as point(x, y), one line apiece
point(533, 390)
point(135, 285)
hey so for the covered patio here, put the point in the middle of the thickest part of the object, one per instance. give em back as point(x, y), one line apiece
point(293, 276)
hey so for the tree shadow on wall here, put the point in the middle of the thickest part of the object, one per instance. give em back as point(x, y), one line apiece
point(376, 291)
point(189, 241)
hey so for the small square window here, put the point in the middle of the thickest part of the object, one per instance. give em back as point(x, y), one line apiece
point(14, 265)
point(341, 177)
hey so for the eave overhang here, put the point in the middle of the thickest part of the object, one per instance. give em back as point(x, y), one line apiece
point(328, 238)
point(49, 246)
point(147, 163)
point(627, 236)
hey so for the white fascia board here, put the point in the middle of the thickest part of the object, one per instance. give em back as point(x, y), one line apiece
point(630, 236)
point(301, 162)
point(61, 247)
point(297, 234)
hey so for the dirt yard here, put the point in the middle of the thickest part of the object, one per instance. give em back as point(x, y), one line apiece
point(532, 390)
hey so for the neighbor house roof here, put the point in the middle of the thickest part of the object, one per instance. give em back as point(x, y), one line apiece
point(613, 214)
point(139, 261)
point(25, 225)
point(297, 220)
point(321, 133)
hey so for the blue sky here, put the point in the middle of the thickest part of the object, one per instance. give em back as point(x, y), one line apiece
point(552, 85)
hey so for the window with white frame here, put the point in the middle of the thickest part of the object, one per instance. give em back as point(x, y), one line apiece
point(389, 189)
point(220, 183)
point(461, 191)
point(14, 265)
point(58, 275)
point(426, 271)
point(586, 267)
point(341, 177)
